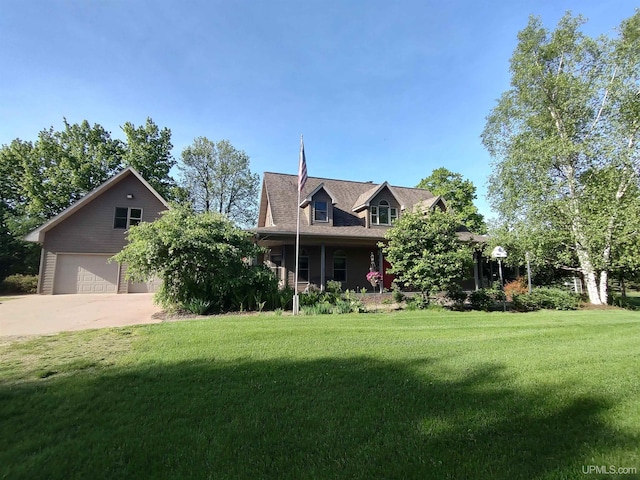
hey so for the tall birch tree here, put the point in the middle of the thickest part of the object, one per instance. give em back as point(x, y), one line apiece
point(564, 141)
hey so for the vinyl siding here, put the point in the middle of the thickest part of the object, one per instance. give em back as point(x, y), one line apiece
point(90, 229)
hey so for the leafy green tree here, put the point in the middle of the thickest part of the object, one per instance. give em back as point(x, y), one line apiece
point(148, 150)
point(38, 180)
point(218, 178)
point(425, 251)
point(203, 260)
point(12, 195)
point(63, 166)
point(459, 195)
point(564, 139)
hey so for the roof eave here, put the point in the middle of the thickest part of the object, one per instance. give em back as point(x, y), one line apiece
point(37, 235)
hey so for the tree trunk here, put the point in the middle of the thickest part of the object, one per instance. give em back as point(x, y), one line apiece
point(604, 287)
point(590, 277)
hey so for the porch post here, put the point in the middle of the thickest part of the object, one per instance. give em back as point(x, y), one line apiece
point(285, 270)
point(322, 268)
point(476, 278)
point(381, 268)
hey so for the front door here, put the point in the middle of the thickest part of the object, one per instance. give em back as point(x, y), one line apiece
point(388, 278)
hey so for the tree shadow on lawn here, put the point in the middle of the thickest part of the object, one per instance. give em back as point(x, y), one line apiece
point(328, 418)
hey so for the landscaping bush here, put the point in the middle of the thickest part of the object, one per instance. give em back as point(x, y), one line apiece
point(285, 298)
point(517, 286)
point(202, 258)
point(624, 302)
point(417, 302)
point(397, 295)
point(197, 306)
point(333, 286)
point(546, 298)
point(19, 284)
point(315, 302)
point(486, 298)
point(524, 302)
point(457, 297)
point(556, 298)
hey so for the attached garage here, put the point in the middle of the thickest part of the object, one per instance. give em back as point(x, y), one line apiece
point(85, 274)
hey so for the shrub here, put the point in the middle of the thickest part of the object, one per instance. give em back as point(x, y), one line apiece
point(546, 298)
point(321, 308)
point(285, 298)
point(556, 298)
point(333, 286)
point(517, 286)
point(397, 295)
point(417, 302)
point(623, 302)
point(197, 306)
point(342, 306)
point(310, 298)
point(201, 258)
point(485, 298)
point(524, 302)
point(457, 296)
point(19, 284)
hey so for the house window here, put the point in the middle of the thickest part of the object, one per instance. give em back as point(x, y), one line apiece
point(340, 266)
point(303, 266)
point(383, 213)
point(125, 217)
point(320, 213)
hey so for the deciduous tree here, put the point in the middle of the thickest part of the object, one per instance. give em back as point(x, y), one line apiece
point(564, 139)
point(459, 195)
point(218, 179)
point(148, 150)
point(425, 251)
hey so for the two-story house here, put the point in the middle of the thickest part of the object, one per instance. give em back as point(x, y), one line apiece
point(341, 224)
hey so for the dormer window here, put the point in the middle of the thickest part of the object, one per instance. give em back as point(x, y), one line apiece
point(320, 212)
point(383, 213)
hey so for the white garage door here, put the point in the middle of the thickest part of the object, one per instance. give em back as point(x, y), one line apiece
point(145, 287)
point(85, 274)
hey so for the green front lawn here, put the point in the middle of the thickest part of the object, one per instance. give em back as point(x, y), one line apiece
point(405, 395)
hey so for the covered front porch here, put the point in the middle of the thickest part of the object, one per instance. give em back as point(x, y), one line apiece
point(344, 260)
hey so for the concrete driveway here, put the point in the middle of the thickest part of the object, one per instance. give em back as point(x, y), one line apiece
point(45, 314)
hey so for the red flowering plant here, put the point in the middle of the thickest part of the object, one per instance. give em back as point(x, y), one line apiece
point(374, 277)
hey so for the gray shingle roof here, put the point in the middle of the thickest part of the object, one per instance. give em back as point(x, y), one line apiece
point(281, 190)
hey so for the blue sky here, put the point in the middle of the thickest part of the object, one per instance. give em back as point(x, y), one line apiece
point(381, 90)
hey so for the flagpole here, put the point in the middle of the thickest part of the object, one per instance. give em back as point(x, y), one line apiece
point(296, 298)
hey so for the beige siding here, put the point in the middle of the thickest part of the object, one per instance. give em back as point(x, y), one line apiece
point(90, 229)
point(45, 286)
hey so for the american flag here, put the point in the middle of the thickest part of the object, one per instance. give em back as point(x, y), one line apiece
point(302, 168)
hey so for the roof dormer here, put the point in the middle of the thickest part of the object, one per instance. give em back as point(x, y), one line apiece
point(380, 205)
point(318, 206)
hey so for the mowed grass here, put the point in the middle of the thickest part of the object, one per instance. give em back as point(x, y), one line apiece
point(407, 395)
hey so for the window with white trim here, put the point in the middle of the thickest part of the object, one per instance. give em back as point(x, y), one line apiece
point(340, 266)
point(126, 216)
point(383, 213)
point(320, 212)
